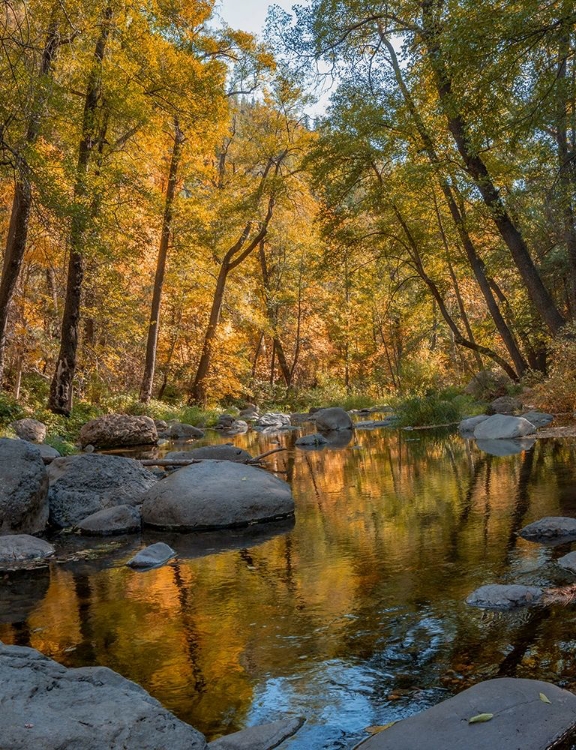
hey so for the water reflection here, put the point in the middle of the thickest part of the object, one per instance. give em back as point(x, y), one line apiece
point(351, 617)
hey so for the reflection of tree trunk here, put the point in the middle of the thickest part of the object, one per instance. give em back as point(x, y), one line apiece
point(85, 650)
point(522, 499)
point(452, 552)
point(21, 633)
point(190, 630)
point(523, 639)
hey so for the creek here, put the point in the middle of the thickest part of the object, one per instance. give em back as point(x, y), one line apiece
point(352, 615)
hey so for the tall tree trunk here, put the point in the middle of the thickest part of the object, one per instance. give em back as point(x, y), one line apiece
point(479, 173)
point(60, 400)
point(272, 314)
point(152, 341)
point(450, 195)
point(22, 201)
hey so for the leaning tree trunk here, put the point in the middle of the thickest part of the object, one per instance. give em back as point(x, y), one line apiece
point(482, 178)
point(22, 201)
point(152, 341)
point(60, 400)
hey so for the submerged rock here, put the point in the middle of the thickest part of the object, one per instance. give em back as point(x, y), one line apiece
point(333, 419)
point(502, 427)
point(501, 596)
point(521, 720)
point(118, 431)
point(152, 556)
point(549, 529)
point(30, 429)
point(23, 488)
point(263, 737)
point(121, 519)
point(19, 548)
point(85, 484)
point(217, 452)
point(45, 705)
point(214, 494)
point(315, 440)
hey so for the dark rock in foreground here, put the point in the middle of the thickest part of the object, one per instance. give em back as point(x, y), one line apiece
point(23, 488)
point(216, 452)
point(501, 596)
point(264, 737)
point(118, 431)
point(19, 548)
point(333, 419)
point(521, 720)
point(152, 556)
point(550, 529)
point(215, 494)
point(121, 519)
point(85, 484)
point(44, 705)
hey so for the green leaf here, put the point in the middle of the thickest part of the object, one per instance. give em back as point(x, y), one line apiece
point(480, 718)
point(544, 699)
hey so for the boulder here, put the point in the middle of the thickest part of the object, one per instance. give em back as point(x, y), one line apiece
point(568, 562)
point(18, 548)
point(506, 447)
point(85, 484)
point(314, 440)
point(273, 419)
point(214, 494)
point(23, 488)
point(333, 419)
point(121, 519)
point(218, 452)
point(47, 451)
point(118, 431)
point(487, 385)
point(538, 418)
point(181, 431)
point(502, 597)
point(467, 426)
point(521, 720)
point(30, 429)
point(152, 556)
point(550, 529)
point(505, 405)
point(263, 737)
point(45, 705)
point(224, 422)
point(503, 427)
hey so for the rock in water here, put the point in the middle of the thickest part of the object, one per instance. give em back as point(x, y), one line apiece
point(467, 426)
point(46, 706)
point(333, 418)
point(273, 419)
point(550, 529)
point(503, 427)
point(152, 556)
point(30, 429)
point(118, 431)
point(181, 431)
point(568, 562)
point(23, 488)
point(500, 596)
point(85, 484)
point(18, 548)
point(215, 494)
point(122, 519)
point(538, 418)
point(263, 737)
point(217, 452)
point(314, 440)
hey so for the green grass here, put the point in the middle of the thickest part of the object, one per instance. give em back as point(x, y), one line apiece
point(444, 407)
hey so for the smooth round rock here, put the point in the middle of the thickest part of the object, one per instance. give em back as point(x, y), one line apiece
point(549, 529)
point(23, 488)
point(216, 494)
point(152, 556)
point(501, 596)
point(333, 418)
point(122, 519)
point(503, 427)
point(215, 452)
point(538, 418)
point(314, 440)
point(18, 548)
point(30, 429)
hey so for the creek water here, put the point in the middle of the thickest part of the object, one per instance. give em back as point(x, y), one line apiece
point(352, 615)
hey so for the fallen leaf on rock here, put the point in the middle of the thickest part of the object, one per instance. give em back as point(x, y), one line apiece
point(480, 718)
point(544, 699)
point(378, 729)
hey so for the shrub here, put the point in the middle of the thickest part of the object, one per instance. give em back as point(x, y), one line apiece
point(444, 407)
point(557, 392)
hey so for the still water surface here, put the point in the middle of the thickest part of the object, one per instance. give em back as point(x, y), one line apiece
point(352, 616)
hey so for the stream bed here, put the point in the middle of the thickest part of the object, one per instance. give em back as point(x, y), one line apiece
point(352, 615)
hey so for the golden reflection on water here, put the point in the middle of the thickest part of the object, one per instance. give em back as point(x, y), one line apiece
point(353, 617)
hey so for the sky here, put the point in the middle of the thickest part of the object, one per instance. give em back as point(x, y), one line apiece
point(249, 15)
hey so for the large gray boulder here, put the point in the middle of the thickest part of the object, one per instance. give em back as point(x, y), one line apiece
point(502, 596)
point(121, 519)
point(45, 705)
point(21, 548)
point(214, 494)
point(217, 452)
point(333, 418)
point(550, 529)
point(85, 484)
point(118, 431)
point(23, 488)
point(503, 427)
point(521, 720)
point(30, 429)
